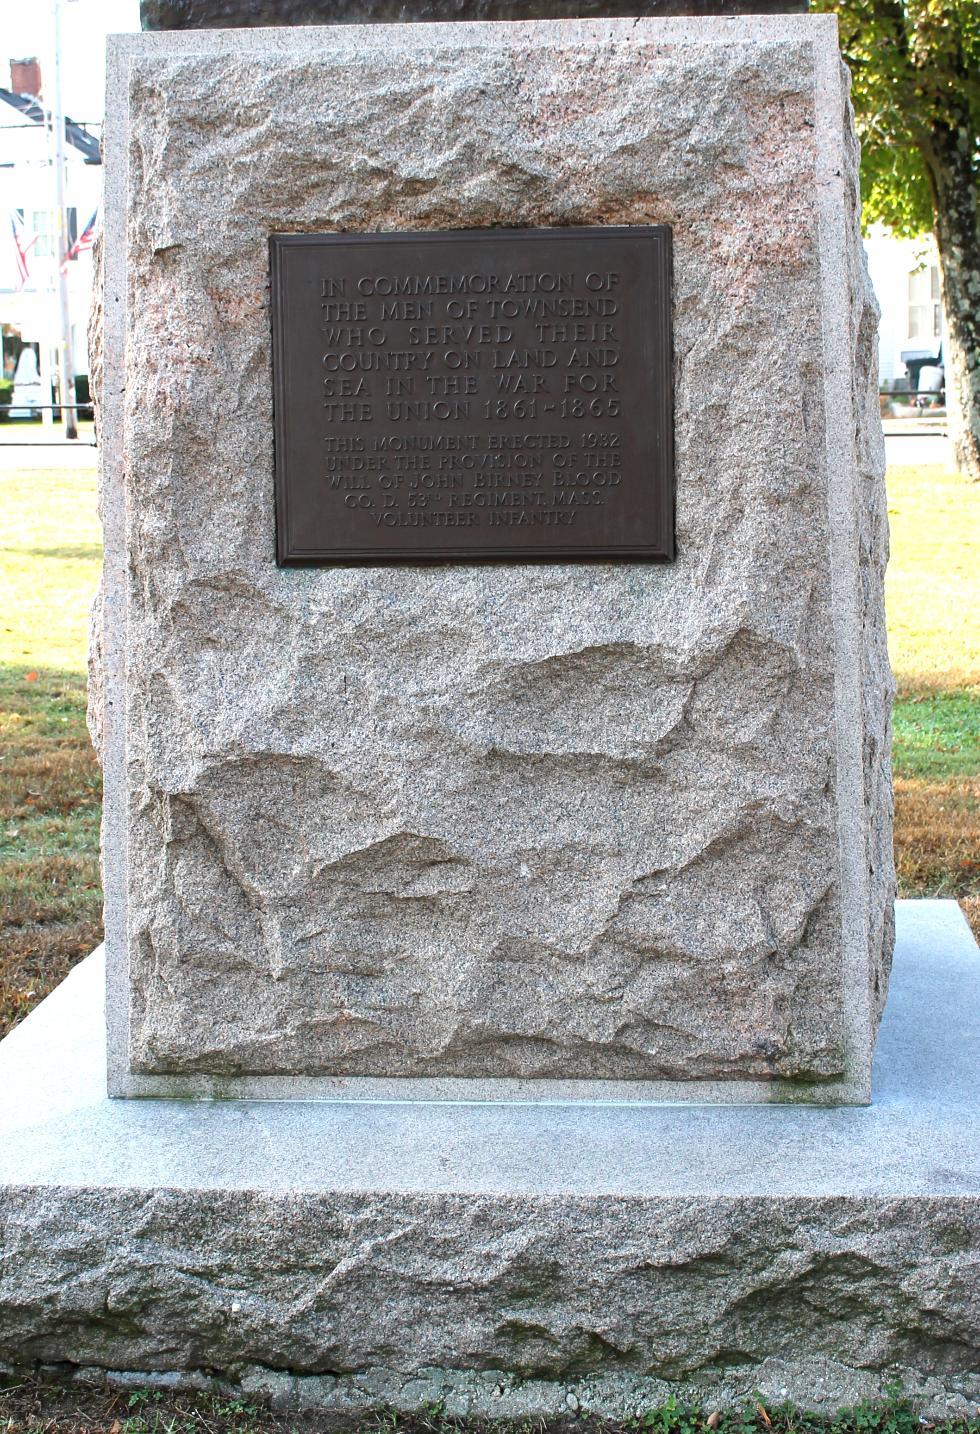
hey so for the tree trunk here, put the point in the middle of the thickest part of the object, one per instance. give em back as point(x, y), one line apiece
point(947, 153)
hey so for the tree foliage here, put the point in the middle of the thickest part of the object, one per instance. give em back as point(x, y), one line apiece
point(915, 64)
point(915, 67)
point(895, 190)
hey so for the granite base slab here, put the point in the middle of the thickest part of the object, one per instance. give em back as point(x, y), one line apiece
point(512, 1258)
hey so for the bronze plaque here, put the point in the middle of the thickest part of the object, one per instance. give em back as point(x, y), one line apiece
point(486, 394)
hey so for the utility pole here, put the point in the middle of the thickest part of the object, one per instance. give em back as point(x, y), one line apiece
point(66, 357)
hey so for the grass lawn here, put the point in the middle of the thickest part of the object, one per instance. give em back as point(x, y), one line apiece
point(50, 899)
point(50, 785)
point(933, 596)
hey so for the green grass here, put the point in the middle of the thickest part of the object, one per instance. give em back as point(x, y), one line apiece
point(50, 552)
point(933, 582)
point(50, 784)
point(49, 798)
point(937, 734)
point(933, 597)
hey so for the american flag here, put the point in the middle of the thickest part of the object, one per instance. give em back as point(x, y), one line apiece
point(22, 250)
point(84, 241)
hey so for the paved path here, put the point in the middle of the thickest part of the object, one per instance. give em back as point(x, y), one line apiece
point(918, 449)
point(29, 446)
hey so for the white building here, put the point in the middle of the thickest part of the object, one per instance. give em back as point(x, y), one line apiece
point(29, 310)
point(905, 275)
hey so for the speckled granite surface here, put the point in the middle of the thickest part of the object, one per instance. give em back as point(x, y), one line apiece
point(571, 823)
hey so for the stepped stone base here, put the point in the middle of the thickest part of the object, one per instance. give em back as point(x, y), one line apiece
point(515, 1258)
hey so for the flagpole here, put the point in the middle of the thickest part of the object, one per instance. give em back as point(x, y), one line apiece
point(66, 357)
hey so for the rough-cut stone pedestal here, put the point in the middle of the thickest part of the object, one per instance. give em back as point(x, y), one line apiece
point(335, 1252)
point(496, 829)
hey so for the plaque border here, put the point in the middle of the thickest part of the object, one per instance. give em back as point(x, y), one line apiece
point(662, 550)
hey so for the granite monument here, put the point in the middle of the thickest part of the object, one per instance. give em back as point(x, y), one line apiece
point(500, 934)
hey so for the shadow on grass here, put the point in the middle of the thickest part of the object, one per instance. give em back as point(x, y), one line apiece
point(50, 810)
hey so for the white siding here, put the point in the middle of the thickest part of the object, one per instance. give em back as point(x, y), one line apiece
point(890, 263)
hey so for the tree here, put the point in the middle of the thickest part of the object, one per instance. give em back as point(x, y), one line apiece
point(915, 66)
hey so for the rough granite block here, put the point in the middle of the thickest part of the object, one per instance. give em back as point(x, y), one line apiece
point(619, 830)
point(506, 1258)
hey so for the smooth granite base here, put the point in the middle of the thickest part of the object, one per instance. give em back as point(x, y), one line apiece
point(508, 1258)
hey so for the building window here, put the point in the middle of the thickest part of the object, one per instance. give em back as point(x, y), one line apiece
point(42, 223)
point(925, 307)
